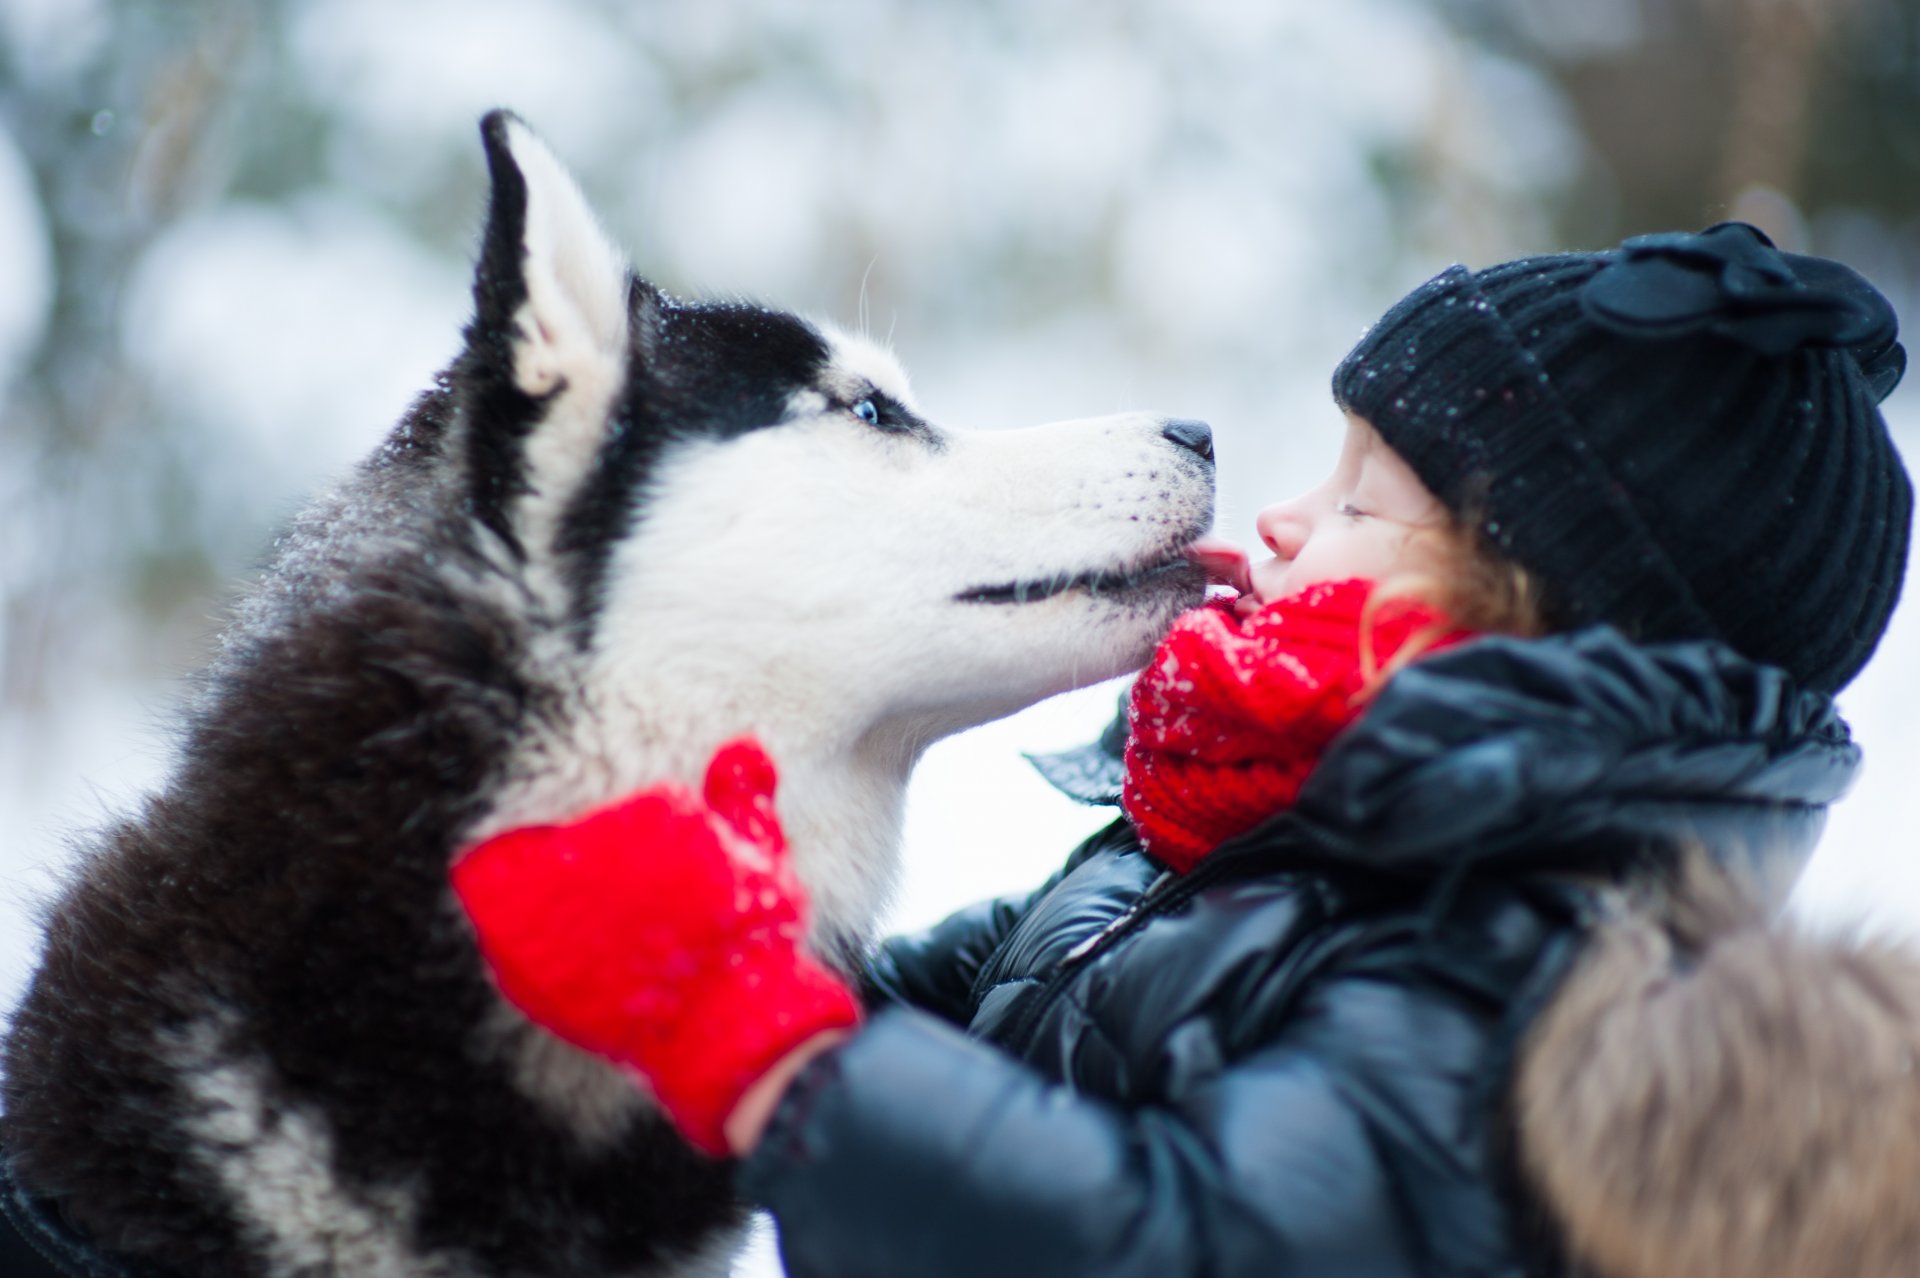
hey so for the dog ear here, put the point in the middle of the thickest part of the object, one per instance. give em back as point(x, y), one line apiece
point(548, 278)
point(547, 349)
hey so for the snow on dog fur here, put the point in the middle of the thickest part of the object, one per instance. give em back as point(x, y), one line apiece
point(620, 530)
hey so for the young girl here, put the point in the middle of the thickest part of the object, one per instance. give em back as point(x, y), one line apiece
point(1607, 532)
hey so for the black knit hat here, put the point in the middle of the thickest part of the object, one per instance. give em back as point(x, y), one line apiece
point(1680, 437)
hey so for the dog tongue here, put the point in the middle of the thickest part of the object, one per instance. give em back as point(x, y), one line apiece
point(1224, 563)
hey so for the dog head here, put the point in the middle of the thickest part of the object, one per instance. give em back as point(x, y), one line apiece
point(732, 520)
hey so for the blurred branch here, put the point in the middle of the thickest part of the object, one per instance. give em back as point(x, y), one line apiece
point(117, 151)
point(1775, 56)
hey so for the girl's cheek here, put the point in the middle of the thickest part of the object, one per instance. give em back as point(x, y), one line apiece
point(1398, 550)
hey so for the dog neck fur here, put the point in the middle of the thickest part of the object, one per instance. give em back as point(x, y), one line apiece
point(842, 779)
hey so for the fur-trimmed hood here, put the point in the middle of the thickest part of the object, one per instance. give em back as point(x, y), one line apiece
point(1712, 1089)
point(1715, 1090)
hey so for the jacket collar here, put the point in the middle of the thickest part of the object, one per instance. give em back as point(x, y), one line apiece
point(1092, 773)
point(1562, 752)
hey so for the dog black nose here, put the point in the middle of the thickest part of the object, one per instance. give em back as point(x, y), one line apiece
point(1194, 436)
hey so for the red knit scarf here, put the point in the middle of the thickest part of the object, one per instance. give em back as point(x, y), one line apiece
point(1232, 714)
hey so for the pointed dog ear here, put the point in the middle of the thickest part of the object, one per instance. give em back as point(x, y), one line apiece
point(547, 349)
point(548, 276)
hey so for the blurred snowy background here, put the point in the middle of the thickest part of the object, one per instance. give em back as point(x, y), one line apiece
point(235, 234)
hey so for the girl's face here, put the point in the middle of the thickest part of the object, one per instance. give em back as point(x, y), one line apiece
point(1367, 519)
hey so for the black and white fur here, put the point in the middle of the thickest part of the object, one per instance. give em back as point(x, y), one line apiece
point(620, 530)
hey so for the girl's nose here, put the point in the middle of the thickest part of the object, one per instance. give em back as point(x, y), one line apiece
point(1284, 528)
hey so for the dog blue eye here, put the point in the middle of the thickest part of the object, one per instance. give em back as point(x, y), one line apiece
point(867, 411)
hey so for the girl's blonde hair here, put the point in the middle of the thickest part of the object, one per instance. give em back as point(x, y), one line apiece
point(1475, 586)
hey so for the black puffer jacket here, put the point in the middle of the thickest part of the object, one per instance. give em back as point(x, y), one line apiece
point(1292, 1061)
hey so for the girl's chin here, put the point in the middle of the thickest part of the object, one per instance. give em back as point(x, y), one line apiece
point(1254, 600)
point(1263, 593)
point(1263, 590)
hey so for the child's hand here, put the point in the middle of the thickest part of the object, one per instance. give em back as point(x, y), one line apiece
point(663, 932)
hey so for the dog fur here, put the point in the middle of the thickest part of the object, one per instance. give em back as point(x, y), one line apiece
point(621, 529)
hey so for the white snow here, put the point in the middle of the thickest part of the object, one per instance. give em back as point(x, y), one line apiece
point(300, 332)
point(422, 74)
point(752, 192)
point(52, 39)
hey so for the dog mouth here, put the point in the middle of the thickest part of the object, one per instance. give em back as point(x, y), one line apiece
point(1177, 568)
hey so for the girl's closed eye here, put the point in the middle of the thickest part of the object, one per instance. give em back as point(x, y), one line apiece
point(1348, 509)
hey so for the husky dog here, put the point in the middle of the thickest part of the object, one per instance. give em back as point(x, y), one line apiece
point(620, 530)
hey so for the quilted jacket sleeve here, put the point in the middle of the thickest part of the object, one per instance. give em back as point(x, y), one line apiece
point(1355, 1142)
point(934, 970)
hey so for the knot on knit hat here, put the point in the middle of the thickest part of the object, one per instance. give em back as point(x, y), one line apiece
point(1730, 279)
point(1680, 438)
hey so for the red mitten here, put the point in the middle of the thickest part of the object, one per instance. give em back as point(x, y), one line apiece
point(663, 932)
